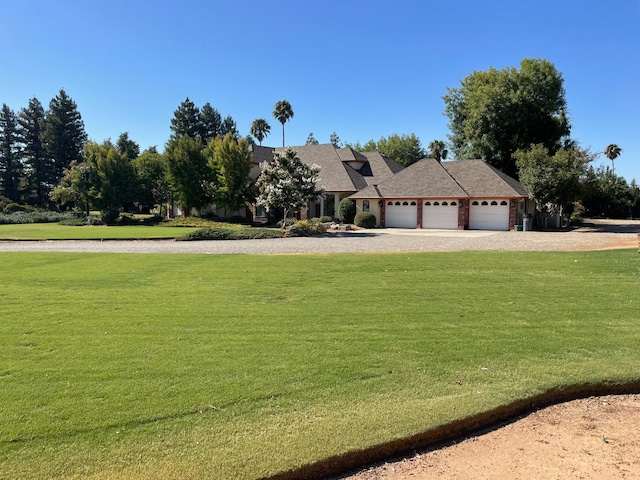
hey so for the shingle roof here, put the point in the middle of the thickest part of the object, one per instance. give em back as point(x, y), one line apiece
point(261, 154)
point(378, 168)
point(426, 178)
point(479, 179)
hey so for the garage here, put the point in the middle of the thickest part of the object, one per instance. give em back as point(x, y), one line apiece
point(401, 214)
point(489, 215)
point(440, 214)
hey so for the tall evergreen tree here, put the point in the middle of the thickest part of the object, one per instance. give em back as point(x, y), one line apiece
point(10, 166)
point(186, 121)
point(260, 129)
point(211, 123)
point(64, 136)
point(229, 126)
point(127, 147)
point(231, 160)
point(40, 180)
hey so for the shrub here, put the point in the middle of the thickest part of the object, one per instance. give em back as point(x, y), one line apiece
point(14, 208)
point(309, 227)
point(288, 222)
point(346, 210)
point(223, 233)
point(4, 201)
point(41, 216)
point(326, 219)
point(365, 220)
point(72, 222)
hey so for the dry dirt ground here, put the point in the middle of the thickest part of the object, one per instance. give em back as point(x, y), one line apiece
point(597, 438)
point(594, 438)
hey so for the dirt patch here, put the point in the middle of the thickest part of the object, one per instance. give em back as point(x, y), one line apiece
point(593, 438)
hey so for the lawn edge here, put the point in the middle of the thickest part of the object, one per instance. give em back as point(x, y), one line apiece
point(456, 431)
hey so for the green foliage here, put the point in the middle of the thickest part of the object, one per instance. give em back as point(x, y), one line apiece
point(37, 216)
point(191, 176)
point(153, 187)
point(311, 227)
point(260, 129)
point(231, 160)
point(326, 219)
point(112, 179)
point(311, 140)
point(554, 181)
point(64, 136)
point(73, 189)
point(4, 201)
point(607, 195)
point(15, 207)
point(438, 150)
point(287, 183)
point(127, 147)
point(72, 222)
point(404, 149)
point(346, 210)
point(334, 139)
point(38, 168)
point(10, 164)
point(365, 220)
point(612, 152)
point(495, 113)
point(222, 233)
point(282, 112)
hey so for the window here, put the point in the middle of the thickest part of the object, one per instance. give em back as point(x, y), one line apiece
point(475, 202)
point(260, 211)
point(453, 204)
point(494, 203)
point(413, 203)
point(365, 205)
point(405, 203)
point(397, 203)
point(503, 203)
point(428, 204)
point(436, 204)
point(445, 204)
point(485, 202)
point(389, 203)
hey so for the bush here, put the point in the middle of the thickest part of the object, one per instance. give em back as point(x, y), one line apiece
point(41, 216)
point(222, 233)
point(326, 219)
point(15, 208)
point(4, 201)
point(365, 220)
point(288, 222)
point(72, 222)
point(309, 227)
point(346, 210)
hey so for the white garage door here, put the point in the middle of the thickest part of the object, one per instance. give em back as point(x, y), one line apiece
point(489, 215)
point(401, 214)
point(440, 214)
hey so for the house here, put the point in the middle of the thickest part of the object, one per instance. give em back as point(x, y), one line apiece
point(467, 194)
point(343, 172)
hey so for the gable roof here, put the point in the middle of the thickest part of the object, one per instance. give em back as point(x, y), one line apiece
point(426, 178)
point(479, 179)
point(341, 169)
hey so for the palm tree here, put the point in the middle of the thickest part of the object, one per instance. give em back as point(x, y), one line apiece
point(282, 112)
point(612, 152)
point(260, 129)
point(437, 150)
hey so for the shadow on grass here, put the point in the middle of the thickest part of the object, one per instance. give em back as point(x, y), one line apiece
point(349, 463)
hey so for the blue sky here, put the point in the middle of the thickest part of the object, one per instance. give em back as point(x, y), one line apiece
point(363, 69)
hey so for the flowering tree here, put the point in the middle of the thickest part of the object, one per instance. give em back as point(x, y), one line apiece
point(287, 183)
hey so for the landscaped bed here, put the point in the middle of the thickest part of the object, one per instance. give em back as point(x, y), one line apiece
point(152, 366)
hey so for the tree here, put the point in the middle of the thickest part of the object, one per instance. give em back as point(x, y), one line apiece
point(554, 181)
point(405, 149)
point(127, 147)
point(64, 136)
point(229, 126)
point(186, 121)
point(287, 183)
point(74, 187)
point(612, 152)
point(282, 112)
point(112, 179)
point(10, 165)
point(210, 123)
point(607, 194)
point(37, 166)
point(153, 187)
point(231, 160)
point(494, 113)
point(311, 140)
point(438, 150)
point(260, 129)
point(191, 178)
point(334, 139)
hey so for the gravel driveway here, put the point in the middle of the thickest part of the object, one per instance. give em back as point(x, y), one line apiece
point(598, 236)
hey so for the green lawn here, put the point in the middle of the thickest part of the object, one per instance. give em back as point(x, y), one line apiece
point(53, 231)
point(193, 366)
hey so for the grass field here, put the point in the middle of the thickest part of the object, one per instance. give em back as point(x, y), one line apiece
point(189, 366)
point(53, 231)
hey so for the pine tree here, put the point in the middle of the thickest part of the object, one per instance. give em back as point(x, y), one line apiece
point(34, 158)
point(127, 147)
point(10, 166)
point(64, 135)
point(186, 121)
point(211, 123)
